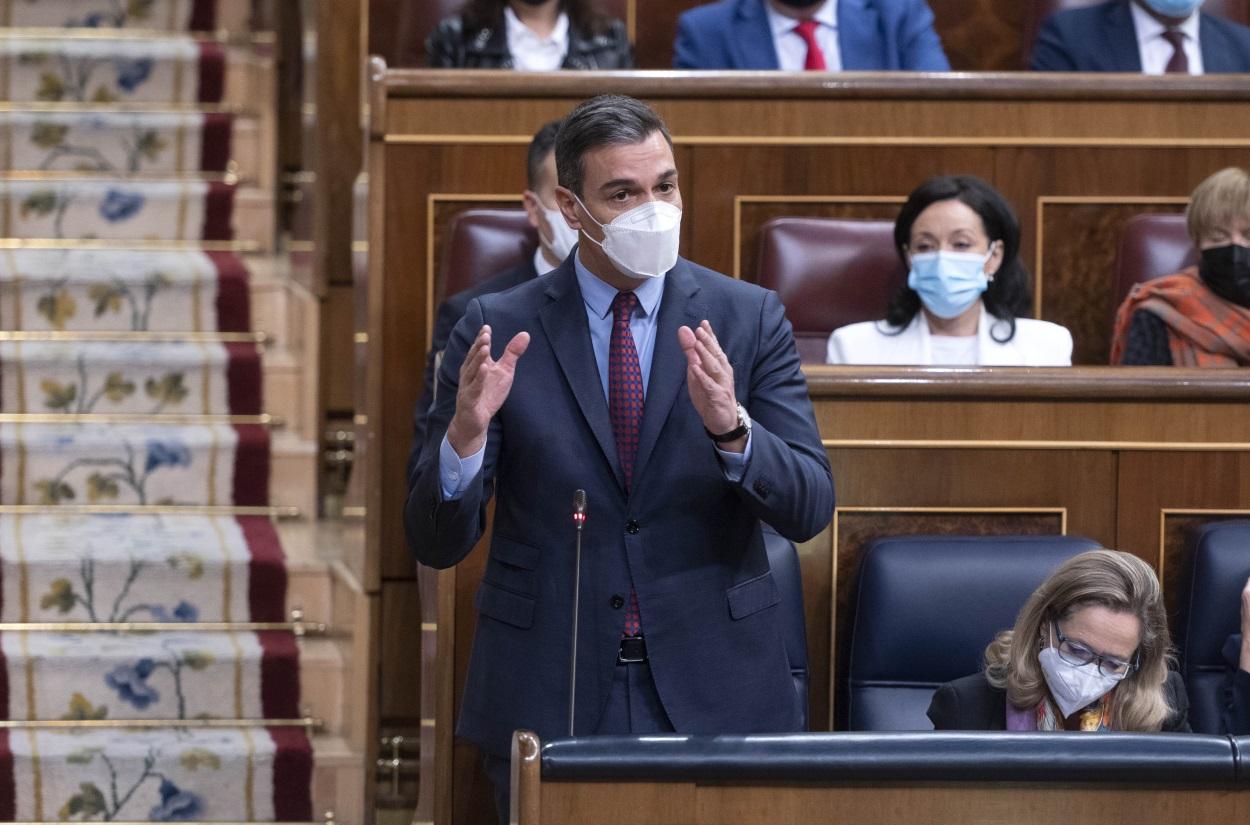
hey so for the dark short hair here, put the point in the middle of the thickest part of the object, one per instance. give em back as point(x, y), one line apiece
point(1007, 297)
point(607, 120)
point(542, 144)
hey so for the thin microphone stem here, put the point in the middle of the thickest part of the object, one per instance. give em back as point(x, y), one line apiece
point(579, 519)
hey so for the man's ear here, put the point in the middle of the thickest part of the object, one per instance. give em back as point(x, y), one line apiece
point(568, 206)
point(533, 209)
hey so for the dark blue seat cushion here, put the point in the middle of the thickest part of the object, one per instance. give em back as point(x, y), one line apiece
point(925, 608)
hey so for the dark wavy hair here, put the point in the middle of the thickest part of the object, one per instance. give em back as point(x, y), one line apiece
point(584, 15)
point(1007, 297)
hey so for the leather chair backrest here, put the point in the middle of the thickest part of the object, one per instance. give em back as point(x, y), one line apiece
point(1151, 246)
point(479, 244)
point(1209, 612)
point(828, 273)
point(783, 559)
point(924, 609)
point(1036, 11)
point(417, 19)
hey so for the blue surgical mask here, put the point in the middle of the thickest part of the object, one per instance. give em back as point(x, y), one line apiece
point(1173, 8)
point(949, 282)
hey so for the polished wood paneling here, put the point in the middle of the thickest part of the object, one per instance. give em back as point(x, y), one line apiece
point(400, 700)
point(1077, 243)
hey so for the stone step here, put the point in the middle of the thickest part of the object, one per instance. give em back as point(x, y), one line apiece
point(59, 290)
point(220, 775)
point(112, 68)
point(191, 567)
point(148, 378)
point(147, 464)
point(147, 15)
point(132, 209)
point(339, 777)
point(294, 472)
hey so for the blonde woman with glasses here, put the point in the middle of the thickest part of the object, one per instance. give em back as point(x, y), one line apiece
point(1090, 651)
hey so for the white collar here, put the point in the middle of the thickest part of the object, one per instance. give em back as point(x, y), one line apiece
point(1148, 28)
point(517, 29)
point(826, 15)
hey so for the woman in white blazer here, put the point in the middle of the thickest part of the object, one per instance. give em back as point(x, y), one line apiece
point(965, 291)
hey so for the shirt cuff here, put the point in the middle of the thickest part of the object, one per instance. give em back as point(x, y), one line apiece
point(454, 472)
point(734, 464)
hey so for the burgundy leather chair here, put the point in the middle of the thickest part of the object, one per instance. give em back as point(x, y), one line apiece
point(1151, 246)
point(417, 18)
point(1037, 11)
point(829, 273)
point(479, 244)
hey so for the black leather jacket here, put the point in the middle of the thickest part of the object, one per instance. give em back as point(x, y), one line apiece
point(452, 46)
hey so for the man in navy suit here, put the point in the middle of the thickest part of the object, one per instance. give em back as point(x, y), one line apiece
point(834, 35)
point(673, 396)
point(1150, 36)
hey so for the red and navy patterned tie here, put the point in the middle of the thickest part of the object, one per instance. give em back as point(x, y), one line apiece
point(625, 399)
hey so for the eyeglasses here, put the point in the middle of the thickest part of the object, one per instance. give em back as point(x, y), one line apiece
point(1075, 653)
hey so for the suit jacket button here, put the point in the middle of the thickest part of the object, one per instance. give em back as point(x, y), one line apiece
point(617, 601)
point(631, 527)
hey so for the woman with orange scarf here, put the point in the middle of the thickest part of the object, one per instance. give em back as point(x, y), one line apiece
point(1199, 317)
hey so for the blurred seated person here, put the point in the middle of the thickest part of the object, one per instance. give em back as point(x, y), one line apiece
point(965, 290)
point(1150, 36)
point(818, 35)
point(1089, 652)
point(1237, 690)
point(556, 240)
point(530, 35)
point(1199, 317)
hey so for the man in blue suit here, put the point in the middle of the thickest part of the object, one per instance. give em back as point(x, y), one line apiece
point(1151, 36)
point(851, 35)
point(670, 394)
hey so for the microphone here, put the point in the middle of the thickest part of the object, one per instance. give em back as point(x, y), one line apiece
point(579, 520)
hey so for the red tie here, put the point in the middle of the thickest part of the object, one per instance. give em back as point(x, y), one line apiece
point(806, 29)
point(1179, 64)
point(625, 400)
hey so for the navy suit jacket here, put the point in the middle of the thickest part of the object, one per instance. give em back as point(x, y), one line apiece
point(450, 311)
point(1103, 38)
point(873, 35)
point(690, 538)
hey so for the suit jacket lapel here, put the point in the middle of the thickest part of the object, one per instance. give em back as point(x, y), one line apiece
point(752, 37)
point(1121, 39)
point(668, 363)
point(564, 321)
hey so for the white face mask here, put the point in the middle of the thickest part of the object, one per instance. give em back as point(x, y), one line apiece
point(563, 236)
point(1073, 686)
point(641, 243)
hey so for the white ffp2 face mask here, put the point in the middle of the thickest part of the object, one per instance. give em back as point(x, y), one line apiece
point(563, 236)
point(1073, 686)
point(641, 243)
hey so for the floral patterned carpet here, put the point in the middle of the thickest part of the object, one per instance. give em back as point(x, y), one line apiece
point(130, 441)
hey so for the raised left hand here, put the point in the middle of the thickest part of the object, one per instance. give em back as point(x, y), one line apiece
point(710, 379)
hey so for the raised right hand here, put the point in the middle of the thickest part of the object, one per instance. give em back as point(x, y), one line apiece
point(484, 386)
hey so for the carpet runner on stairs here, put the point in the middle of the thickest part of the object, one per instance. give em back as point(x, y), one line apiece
point(123, 290)
point(111, 69)
point(162, 15)
point(170, 675)
point(115, 141)
point(148, 568)
point(243, 775)
point(117, 209)
point(210, 465)
point(130, 378)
